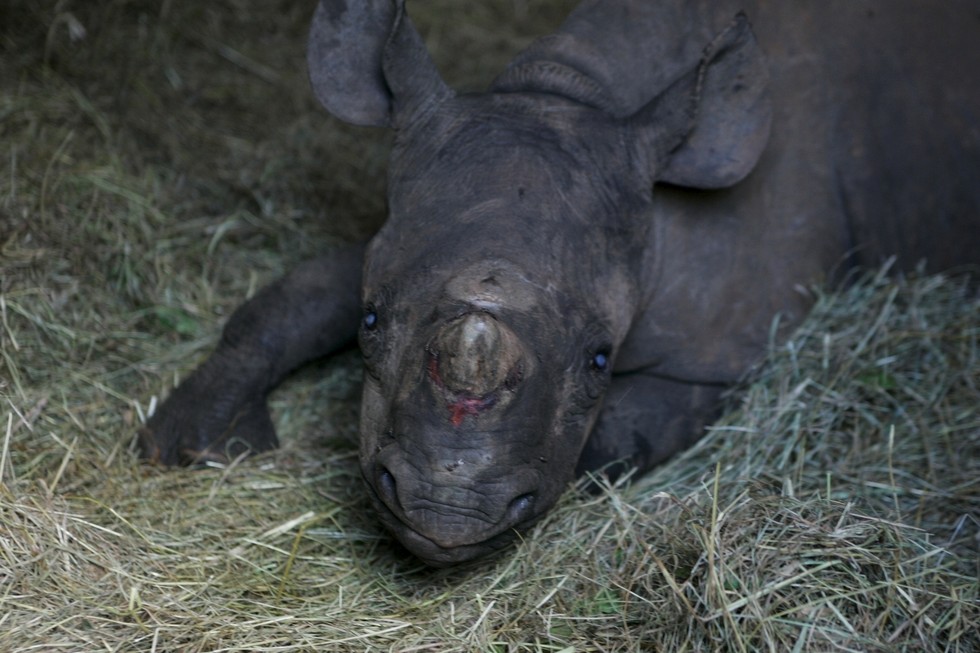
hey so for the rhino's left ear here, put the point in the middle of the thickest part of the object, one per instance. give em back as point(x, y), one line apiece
point(709, 128)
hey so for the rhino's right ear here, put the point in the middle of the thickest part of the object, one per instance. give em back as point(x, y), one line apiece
point(344, 53)
point(709, 128)
point(369, 66)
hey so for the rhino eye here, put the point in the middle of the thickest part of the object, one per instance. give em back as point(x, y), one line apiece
point(370, 319)
point(600, 361)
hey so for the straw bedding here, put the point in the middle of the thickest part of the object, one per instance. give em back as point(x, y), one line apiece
point(160, 161)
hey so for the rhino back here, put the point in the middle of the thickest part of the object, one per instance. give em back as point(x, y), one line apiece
point(875, 152)
point(888, 88)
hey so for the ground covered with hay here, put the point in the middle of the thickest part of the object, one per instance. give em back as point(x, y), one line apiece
point(160, 161)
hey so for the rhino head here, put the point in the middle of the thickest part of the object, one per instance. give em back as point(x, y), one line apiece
point(507, 275)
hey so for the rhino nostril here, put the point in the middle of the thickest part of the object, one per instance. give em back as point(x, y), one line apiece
point(520, 508)
point(387, 487)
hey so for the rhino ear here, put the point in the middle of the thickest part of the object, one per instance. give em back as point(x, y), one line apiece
point(412, 77)
point(344, 59)
point(709, 128)
point(367, 63)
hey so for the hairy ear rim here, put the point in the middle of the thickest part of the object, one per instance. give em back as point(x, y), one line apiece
point(414, 82)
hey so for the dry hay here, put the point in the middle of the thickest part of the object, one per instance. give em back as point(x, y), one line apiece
point(161, 160)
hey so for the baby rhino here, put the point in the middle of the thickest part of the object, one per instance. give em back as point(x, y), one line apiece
point(537, 305)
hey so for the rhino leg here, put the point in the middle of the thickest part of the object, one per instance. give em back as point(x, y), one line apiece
point(645, 420)
point(220, 411)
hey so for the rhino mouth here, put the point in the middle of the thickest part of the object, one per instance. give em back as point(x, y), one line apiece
point(436, 551)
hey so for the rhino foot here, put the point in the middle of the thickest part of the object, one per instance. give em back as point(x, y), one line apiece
point(645, 420)
point(198, 423)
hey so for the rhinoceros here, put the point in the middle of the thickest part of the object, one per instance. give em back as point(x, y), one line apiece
point(580, 260)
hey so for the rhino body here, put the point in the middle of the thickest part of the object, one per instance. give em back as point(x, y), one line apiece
point(579, 261)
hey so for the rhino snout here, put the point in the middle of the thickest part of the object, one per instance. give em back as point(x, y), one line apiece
point(443, 514)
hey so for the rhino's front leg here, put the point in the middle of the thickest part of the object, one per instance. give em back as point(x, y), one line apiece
point(220, 410)
point(645, 420)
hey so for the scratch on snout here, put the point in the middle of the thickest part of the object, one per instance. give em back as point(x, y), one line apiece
point(453, 466)
point(624, 395)
point(469, 406)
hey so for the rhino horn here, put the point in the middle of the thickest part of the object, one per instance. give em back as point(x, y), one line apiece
point(477, 355)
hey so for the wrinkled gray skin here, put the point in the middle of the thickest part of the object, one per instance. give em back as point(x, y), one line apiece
point(534, 308)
